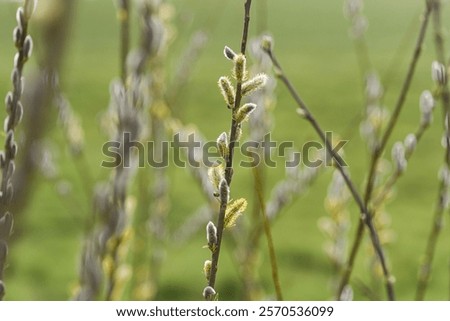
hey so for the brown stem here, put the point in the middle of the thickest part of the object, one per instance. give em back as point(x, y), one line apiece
point(270, 246)
point(438, 219)
point(387, 187)
point(366, 217)
point(399, 104)
point(380, 148)
point(229, 161)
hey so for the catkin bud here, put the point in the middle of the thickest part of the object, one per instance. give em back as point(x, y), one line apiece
point(352, 8)
point(227, 90)
point(358, 27)
point(19, 114)
point(16, 60)
point(17, 35)
point(410, 144)
point(426, 107)
point(224, 191)
point(438, 73)
point(444, 175)
point(207, 269)
point(14, 150)
point(211, 236)
point(27, 47)
point(15, 77)
point(222, 145)
point(445, 141)
point(254, 84)
point(229, 53)
point(267, 43)
point(215, 175)
point(209, 293)
point(6, 124)
point(347, 294)
point(17, 81)
point(374, 89)
point(301, 112)
point(398, 157)
point(28, 9)
point(240, 68)
point(19, 16)
point(243, 112)
point(9, 102)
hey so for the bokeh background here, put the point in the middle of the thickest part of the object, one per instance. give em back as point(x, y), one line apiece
point(312, 41)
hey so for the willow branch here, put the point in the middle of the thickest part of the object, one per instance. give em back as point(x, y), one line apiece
point(229, 162)
point(382, 145)
point(441, 203)
point(366, 217)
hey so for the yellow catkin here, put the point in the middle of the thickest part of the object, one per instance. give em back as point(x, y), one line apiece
point(215, 174)
point(234, 210)
point(227, 91)
point(254, 84)
point(240, 68)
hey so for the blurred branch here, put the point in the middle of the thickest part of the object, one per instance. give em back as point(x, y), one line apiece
point(150, 223)
point(410, 145)
point(268, 233)
point(366, 216)
point(185, 67)
point(14, 110)
point(353, 11)
point(399, 104)
point(54, 29)
point(103, 253)
point(259, 125)
point(380, 147)
point(439, 72)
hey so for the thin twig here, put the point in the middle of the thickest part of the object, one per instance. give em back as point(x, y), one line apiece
point(378, 151)
point(441, 204)
point(366, 217)
point(259, 125)
point(123, 14)
point(14, 110)
point(392, 180)
point(229, 161)
point(398, 106)
point(268, 232)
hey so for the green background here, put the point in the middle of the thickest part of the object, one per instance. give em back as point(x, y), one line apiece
point(311, 41)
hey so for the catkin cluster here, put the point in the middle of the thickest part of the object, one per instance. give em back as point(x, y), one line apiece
point(14, 110)
point(221, 174)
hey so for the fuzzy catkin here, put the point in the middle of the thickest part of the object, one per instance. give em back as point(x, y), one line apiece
point(129, 102)
point(14, 110)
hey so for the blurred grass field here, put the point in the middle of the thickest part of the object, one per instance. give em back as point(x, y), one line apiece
point(311, 40)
